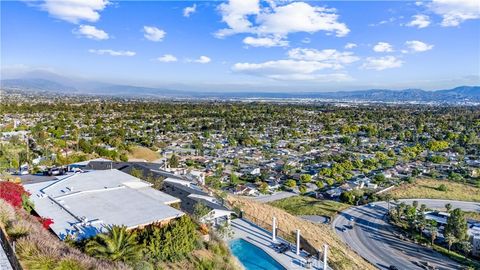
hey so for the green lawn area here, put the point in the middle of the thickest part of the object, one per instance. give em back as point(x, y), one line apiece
point(301, 205)
point(428, 189)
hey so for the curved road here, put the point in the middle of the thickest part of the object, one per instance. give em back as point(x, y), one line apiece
point(366, 231)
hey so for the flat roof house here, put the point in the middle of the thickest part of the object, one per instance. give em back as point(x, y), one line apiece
point(190, 195)
point(83, 204)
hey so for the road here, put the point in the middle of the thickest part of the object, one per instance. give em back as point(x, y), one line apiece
point(366, 231)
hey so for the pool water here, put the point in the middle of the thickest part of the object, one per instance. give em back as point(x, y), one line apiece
point(253, 257)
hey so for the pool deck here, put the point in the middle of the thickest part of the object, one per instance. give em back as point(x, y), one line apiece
point(263, 239)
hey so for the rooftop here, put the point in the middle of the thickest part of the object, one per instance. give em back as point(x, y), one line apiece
point(85, 203)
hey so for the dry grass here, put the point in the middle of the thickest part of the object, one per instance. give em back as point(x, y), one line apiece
point(38, 249)
point(341, 257)
point(139, 152)
point(301, 205)
point(473, 215)
point(428, 189)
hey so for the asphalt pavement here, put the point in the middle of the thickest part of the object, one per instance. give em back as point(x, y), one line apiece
point(365, 230)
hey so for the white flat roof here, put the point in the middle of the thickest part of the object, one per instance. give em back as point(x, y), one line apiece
point(85, 203)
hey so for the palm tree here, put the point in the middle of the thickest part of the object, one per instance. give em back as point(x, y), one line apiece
point(450, 239)
point(388, 198)
point(448, 206)
point(432, 227)
point(116, 245)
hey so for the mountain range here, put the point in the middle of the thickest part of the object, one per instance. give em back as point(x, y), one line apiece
point(60, 85)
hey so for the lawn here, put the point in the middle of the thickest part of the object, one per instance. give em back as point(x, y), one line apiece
point(301, 205)
point(428, 189)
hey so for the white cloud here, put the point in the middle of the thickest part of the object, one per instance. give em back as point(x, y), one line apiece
point(420, 21)
point(246, 16)
point(234, 14)
point(350, 45)
point(112, 52)
point(302, 64)
point(418, 46)
point(91, 32)
point(153, 33)
point(201, 60)
point(167, 58)
point(265, 41)
point(383, 47)
point(75, 11)
point(189, 10)
point(330, 56)
point(381, 63)
point(454, 12)
point(300, 17)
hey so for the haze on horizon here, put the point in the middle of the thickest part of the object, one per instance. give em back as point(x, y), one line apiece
point(245, 45)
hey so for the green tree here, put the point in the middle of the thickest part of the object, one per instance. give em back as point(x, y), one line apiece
point(457, 225)
point(448, 206)
point(116, 245)
point(290, 183)
point(173, 161)
point(347, 197)
point(263, 188)
point(305, 178)
point(200, 210)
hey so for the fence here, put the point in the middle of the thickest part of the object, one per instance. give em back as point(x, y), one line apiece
point(288, 236)
point(5, 244)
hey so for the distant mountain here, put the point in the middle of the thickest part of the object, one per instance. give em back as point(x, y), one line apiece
point(462, 92)
point(36, 85)
point(62, 85)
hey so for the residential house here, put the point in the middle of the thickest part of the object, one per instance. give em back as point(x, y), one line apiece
point(84, 204)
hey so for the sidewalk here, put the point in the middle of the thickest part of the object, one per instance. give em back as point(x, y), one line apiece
point(4, 262)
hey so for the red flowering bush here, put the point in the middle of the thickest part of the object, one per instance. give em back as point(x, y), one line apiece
point(46, 222)
point(12, 193)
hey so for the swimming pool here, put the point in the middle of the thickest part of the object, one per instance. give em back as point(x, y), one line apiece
point(253, 257)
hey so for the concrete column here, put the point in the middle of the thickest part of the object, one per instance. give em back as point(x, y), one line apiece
point(325, 257)
point(274, 229)
point(298, 242)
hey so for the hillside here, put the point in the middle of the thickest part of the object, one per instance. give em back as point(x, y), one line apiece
point(341, 257)
point(428, 189)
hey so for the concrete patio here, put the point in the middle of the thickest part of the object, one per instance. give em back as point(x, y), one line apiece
point(263, 239)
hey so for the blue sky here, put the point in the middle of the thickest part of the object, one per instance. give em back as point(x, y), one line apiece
point(247, 45)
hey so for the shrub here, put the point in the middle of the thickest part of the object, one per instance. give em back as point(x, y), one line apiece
point(18, 229)
point(46, 222)
point(12, 193)
point(27, 204)
point(69, 264)
point(172, 242)
point(26, 248)
point(7, 213)
point(442, 187)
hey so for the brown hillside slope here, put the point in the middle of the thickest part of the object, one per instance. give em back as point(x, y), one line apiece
point(340, 256)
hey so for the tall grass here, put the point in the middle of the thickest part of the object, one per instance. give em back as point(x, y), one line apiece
point(38, 249)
